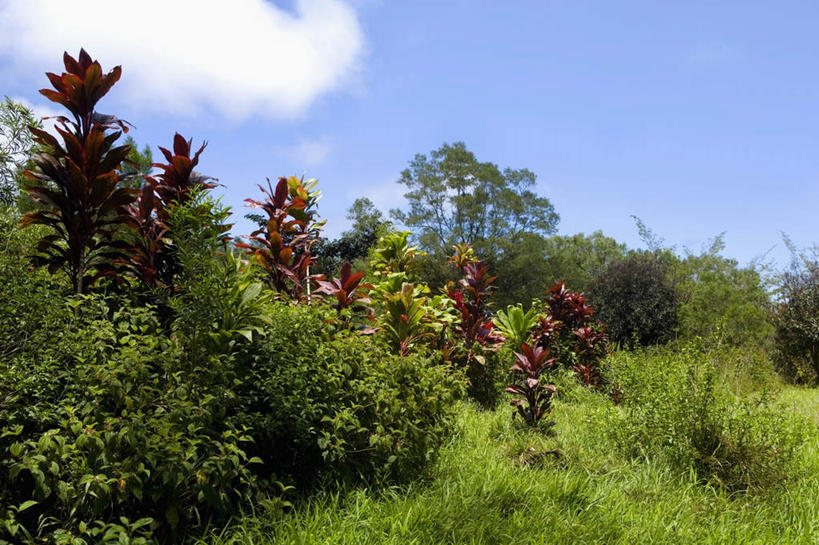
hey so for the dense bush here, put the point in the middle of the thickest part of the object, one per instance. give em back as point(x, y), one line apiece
point(636, 301)
point(795, 318)
point(677, 405)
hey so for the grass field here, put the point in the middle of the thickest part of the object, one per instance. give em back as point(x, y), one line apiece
point(496, 483)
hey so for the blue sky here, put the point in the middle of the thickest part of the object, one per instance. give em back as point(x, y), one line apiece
point(698, 117)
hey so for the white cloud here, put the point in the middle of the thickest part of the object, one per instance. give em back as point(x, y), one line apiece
point(237, 57)
point(308, 152)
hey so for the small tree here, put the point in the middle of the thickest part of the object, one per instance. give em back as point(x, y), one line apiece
point(636, 301)
point(80, 196)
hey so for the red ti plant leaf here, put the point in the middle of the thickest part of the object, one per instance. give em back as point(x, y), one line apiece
point(347, 290)
point(80, 195)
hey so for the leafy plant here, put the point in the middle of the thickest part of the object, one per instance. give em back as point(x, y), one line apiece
point(404, 320)
point(393, 254)
point(347, 290)
point(535, 397)
point(152, 257)
point(80, 197)
point(516, 325)
point(282, 245)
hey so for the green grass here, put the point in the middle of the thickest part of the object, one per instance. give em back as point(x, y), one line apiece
point(493, 484)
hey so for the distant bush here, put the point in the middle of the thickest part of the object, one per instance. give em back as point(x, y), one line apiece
point(636, 301)
point(676, 405)
point(796, 323)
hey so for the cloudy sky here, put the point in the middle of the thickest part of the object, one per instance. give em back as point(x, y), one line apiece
point(698, 116)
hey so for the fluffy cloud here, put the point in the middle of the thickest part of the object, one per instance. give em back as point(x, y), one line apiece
point(237, 57)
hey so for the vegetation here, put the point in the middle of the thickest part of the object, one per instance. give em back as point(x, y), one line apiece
point(162, 381)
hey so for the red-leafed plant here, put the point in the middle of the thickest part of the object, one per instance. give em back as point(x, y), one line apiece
point(152, 257)
point(470, 296)
point(80, 196)
point(535, 398)
point(570, 333)
point(347, 290)
point(282, 244)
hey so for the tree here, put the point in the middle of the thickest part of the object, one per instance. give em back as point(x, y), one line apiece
point(456, 199)
point(367, 225)
point(16, 144)
point(636, 300)
point(716, 294)
point(138, 164)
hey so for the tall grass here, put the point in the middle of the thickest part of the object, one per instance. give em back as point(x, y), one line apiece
point(498, 483)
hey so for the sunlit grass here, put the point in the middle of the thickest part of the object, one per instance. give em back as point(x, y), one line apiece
point(498, 483)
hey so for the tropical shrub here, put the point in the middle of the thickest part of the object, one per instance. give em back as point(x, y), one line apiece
point(534, 398)
point(636, 301)
point(282, 244)
point(345, 407)
point(151, 258)
point(80, 196)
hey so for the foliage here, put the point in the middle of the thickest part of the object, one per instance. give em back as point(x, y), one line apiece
point(80, 198)
point(676, 406)
point(455, 199)
point(344, 407)
point(16, 146)
point(716, 295)
point(795, 319)
point(152, 257)
point(138, 164)
point(516, 325)
point(577, 259)
point(636, 301)
point(394, 254)
point(354, 245)
point(535, 397)
point(282, 245)
point(348, 292)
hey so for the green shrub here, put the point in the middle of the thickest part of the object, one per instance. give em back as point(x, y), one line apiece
point(636, 301)
point(344, 407)
point(677, 405)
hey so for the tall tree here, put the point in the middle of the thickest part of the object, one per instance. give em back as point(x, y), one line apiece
point(455, 199)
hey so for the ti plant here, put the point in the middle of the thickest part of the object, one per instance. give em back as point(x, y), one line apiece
point(475, 328)
point(393, 254)
point(405, 318)
point(80, 195)
point(282, 243)
point(571, 335)
point(152, 258)
point(534, 399)
point(348, 291)
point(516, 325)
